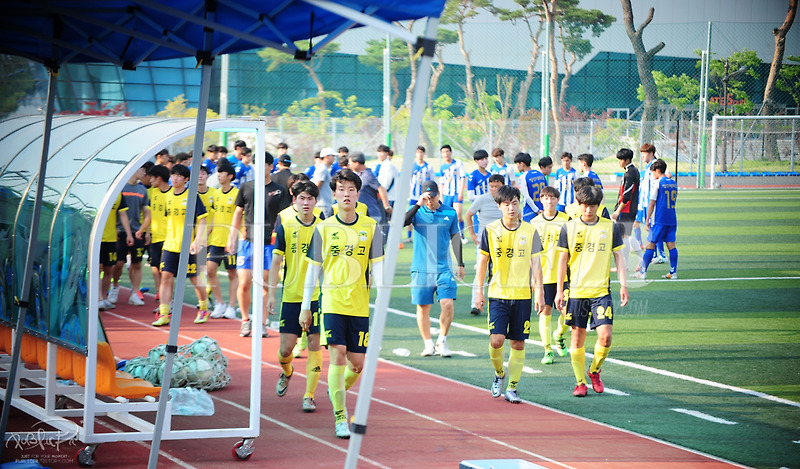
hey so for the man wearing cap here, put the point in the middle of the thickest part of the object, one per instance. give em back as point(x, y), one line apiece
point(435, 225)
point(372, 194)
point(281, 176)
point(322, 178)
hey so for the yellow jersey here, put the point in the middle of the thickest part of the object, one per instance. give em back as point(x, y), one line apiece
point(291, 212)
point(590, 249)
point(345, 252)
point(158, 214)
point(224, 206)
point(208, 201)
point(510, 252)
point(293, 239)
point(176, 217)
point(361, 209)
point(549, 231)
point(110, 230)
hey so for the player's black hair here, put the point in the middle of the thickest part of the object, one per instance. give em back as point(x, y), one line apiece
point(550, 191)
point(660, 165)
point(497, 178)
point(625, 154)
point(222, 149)
point(304, 186)
point(346, 174)
point(522, 157)
point(545, 162)
point(498, 152)
point(446, 146)
point(343, 149)
point(384, 148)
point(589, 195)
point(421, 148)
point(205, 168)
point(268, 158)
point(480, 154)
point(147, 165)
point(506, 194)
point(182, 156)
point(181, 170)
point(578, 183)
point(566, 154)
point(586, 158)
point(239, 143)
point(160, 171)
point(226, 167)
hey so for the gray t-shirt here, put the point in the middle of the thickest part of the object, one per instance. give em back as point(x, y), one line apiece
point(323, 173)
point(487, 210)
point(135, 196)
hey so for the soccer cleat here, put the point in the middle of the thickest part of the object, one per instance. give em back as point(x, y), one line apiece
point(561, 344)
point(342, 430)
point(580, 390)
point(135, 300)
point(219, 310)
point(511, 396)
point(639, 275)
point(659, 260)
point(140, 293)
point(202, 316)
point(597, 383)
point(158, 297)
point(113, 294)
point(246, 329)
point(230, 313)
point(475, 312)
point(162, 320)
point(497, 385)
point(548, 357)
point(264, 332)
point(309, 405)
point(104, 305)
point(670, 276)
point(283, 386)
point(428, 352)
point(443, 350)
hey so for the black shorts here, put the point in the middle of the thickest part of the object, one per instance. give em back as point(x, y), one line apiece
point(154, 250)
point(511, 318)
point(136, 251)
point(217, 255)
point(550, 291)
point(169, 263)
point(290, 319)
point(350, 331)
point(589, 311)
point(108, 253)
point(625, 223)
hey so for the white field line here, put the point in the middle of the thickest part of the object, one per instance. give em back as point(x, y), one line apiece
point(704, 416)
point(637, 366)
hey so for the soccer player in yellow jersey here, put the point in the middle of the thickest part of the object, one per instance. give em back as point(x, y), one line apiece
point(586, 245)
point(158, 193)
point(573, 210)
point(108, 247)
point(513, 247)
point(293, 238)
point(548, 223)
point(344, 250)
point(225, 206)
point(170, 255)
point(207, 195)
point(361, 209)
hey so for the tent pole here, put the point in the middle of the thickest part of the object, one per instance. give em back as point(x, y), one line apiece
point(180, 278)
point(359, 426)
point(28, 271)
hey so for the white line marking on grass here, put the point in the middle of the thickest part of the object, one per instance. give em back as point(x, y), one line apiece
point(616, 392)
point(703, 416)
point(462, 353)
point(402, 352)
point(678, 280)
point(796, 441)
point(637, 366)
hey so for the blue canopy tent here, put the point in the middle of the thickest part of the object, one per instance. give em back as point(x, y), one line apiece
point(126, 33)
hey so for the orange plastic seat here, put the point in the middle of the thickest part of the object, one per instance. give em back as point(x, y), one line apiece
point(41, 353)
point(109, 383)
point(64, 363)
point(5, 339)
point(29, 349)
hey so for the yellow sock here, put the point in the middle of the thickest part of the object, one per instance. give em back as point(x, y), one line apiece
point(313, 370)
point(163, 310)
point(562, 327)
point(544, 331)
point(286, 364)
point(336, 390)
point(203, 304)
point(516, 359)
point(496, 356)
point(578, 356)
point(600, 354)
point(350, 378)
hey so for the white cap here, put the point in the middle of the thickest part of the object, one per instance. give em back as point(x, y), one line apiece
point(328, 151)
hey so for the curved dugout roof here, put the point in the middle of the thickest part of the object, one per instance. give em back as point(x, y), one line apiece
point(89, 161)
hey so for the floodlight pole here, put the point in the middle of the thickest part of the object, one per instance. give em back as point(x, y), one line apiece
point(387, 91)
point(359, 426)
point(27, 274)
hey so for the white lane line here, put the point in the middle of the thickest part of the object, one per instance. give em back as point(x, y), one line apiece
point(637, 366)
point(616, 392)
point(463, 353)
point(703, 416)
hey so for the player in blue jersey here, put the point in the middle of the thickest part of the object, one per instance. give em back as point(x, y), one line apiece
point(661, 220)
point(422, 172)
point(453, 182)
point(585, 162)
point(530, 183)
point(502, 168)
point(435, 226)
point(565, 175)
point(478, 180)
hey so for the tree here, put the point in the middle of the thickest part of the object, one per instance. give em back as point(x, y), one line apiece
point(16, 81)
point(276, 58)
point(398, 60)
point(789, 79)
point(177, 108)
point(676, 91)
point(443, 38)
point(777, 58)
point(643, 64)
point(458, 12)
